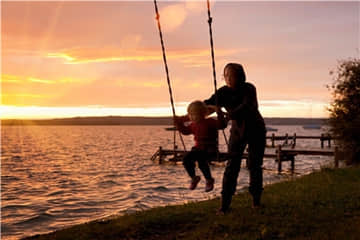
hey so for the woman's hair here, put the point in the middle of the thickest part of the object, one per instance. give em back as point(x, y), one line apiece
point(238, 71)
point(198, 107)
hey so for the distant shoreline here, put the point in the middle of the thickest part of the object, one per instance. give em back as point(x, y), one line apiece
point(167, 121)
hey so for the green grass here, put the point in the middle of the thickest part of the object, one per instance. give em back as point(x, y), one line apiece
point(322, 205)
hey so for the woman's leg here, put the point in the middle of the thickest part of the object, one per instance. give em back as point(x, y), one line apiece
point(236, 149)
point(256, 155)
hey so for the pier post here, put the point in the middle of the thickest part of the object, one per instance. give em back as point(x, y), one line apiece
point(175, 153)
point(278, 157)
point(160, 155)
point(292, 164)
point(336, 157)
point(286, 139)
point(329, 141)
point(322, 140)
point(273, 140)
point(294, 141)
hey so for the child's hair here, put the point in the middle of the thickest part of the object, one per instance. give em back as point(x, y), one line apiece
point(198, 107)
point(237, 70)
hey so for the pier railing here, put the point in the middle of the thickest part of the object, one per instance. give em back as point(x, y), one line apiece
point(290, 140)
point(284, 152)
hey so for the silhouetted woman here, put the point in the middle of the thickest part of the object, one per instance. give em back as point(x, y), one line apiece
point(239, 99)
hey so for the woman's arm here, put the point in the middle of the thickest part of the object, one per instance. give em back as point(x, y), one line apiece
point(217, 99)
point(248, 105)
point(211, 109)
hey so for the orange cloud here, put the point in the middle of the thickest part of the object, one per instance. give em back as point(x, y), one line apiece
point(195, 85)
point(142, 84)
point(88, 55)
point(74, 60)
point(9, 79)
point(94, 55)
point(36, 80)
point(14, 79)
point(22, 99)
point(196, 6)
point(172, 16)
point(23, 95)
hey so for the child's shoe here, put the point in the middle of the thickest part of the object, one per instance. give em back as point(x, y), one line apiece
point(209, 185)
point(194, 182)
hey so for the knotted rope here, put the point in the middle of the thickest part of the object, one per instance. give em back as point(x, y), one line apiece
point(167, 73)
point(213, 61)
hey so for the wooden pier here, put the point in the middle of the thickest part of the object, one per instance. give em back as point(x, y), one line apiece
point(292, 152)
point(162, 155)
point(290, 140)
point(284, 152)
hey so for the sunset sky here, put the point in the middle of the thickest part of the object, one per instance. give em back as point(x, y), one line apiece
point(66, 59)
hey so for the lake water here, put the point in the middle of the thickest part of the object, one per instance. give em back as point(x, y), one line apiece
point(57, 176)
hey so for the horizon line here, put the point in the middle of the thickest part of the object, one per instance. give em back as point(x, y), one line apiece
point(124, 116)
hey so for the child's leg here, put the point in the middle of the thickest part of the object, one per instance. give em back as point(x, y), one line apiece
point(189, 163)
point(203, 161)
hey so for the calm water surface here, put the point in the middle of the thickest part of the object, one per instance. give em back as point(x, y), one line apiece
point(57, 176)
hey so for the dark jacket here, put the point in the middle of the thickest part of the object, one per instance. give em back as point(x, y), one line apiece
point(242, 106)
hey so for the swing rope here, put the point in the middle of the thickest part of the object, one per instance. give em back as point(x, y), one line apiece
point(167, 73)
point(213, 62)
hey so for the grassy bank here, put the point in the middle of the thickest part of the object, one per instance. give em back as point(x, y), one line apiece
point(322, 205)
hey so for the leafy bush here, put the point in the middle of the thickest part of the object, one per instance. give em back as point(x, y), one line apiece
point(345, 109)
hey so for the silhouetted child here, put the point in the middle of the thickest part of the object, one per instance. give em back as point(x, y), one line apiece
point(205, 131)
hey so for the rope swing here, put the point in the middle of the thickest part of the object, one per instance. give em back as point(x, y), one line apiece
point(213, 61)
point(167, 73)
point(167, 70)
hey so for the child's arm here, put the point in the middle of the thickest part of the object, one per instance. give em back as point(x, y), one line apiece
point(179, 124)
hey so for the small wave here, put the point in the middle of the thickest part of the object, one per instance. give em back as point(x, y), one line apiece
point(108, 183)
point(113, 175)
point(137, 207)
point(181, 188)
point(15, 207)
point(16, 158)
point(9, 178)
point(55, 193)
point(133, 195)
point(161, 189)
point(150, 199)
point(82, 210)
point(43, 217)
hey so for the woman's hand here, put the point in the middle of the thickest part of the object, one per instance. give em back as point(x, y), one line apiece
point(230, 115)
point(211, 109)
point(227, 117)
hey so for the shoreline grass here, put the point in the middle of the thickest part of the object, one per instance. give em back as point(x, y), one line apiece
point(322, 205)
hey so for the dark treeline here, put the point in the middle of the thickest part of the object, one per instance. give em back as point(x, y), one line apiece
point(112, 120)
